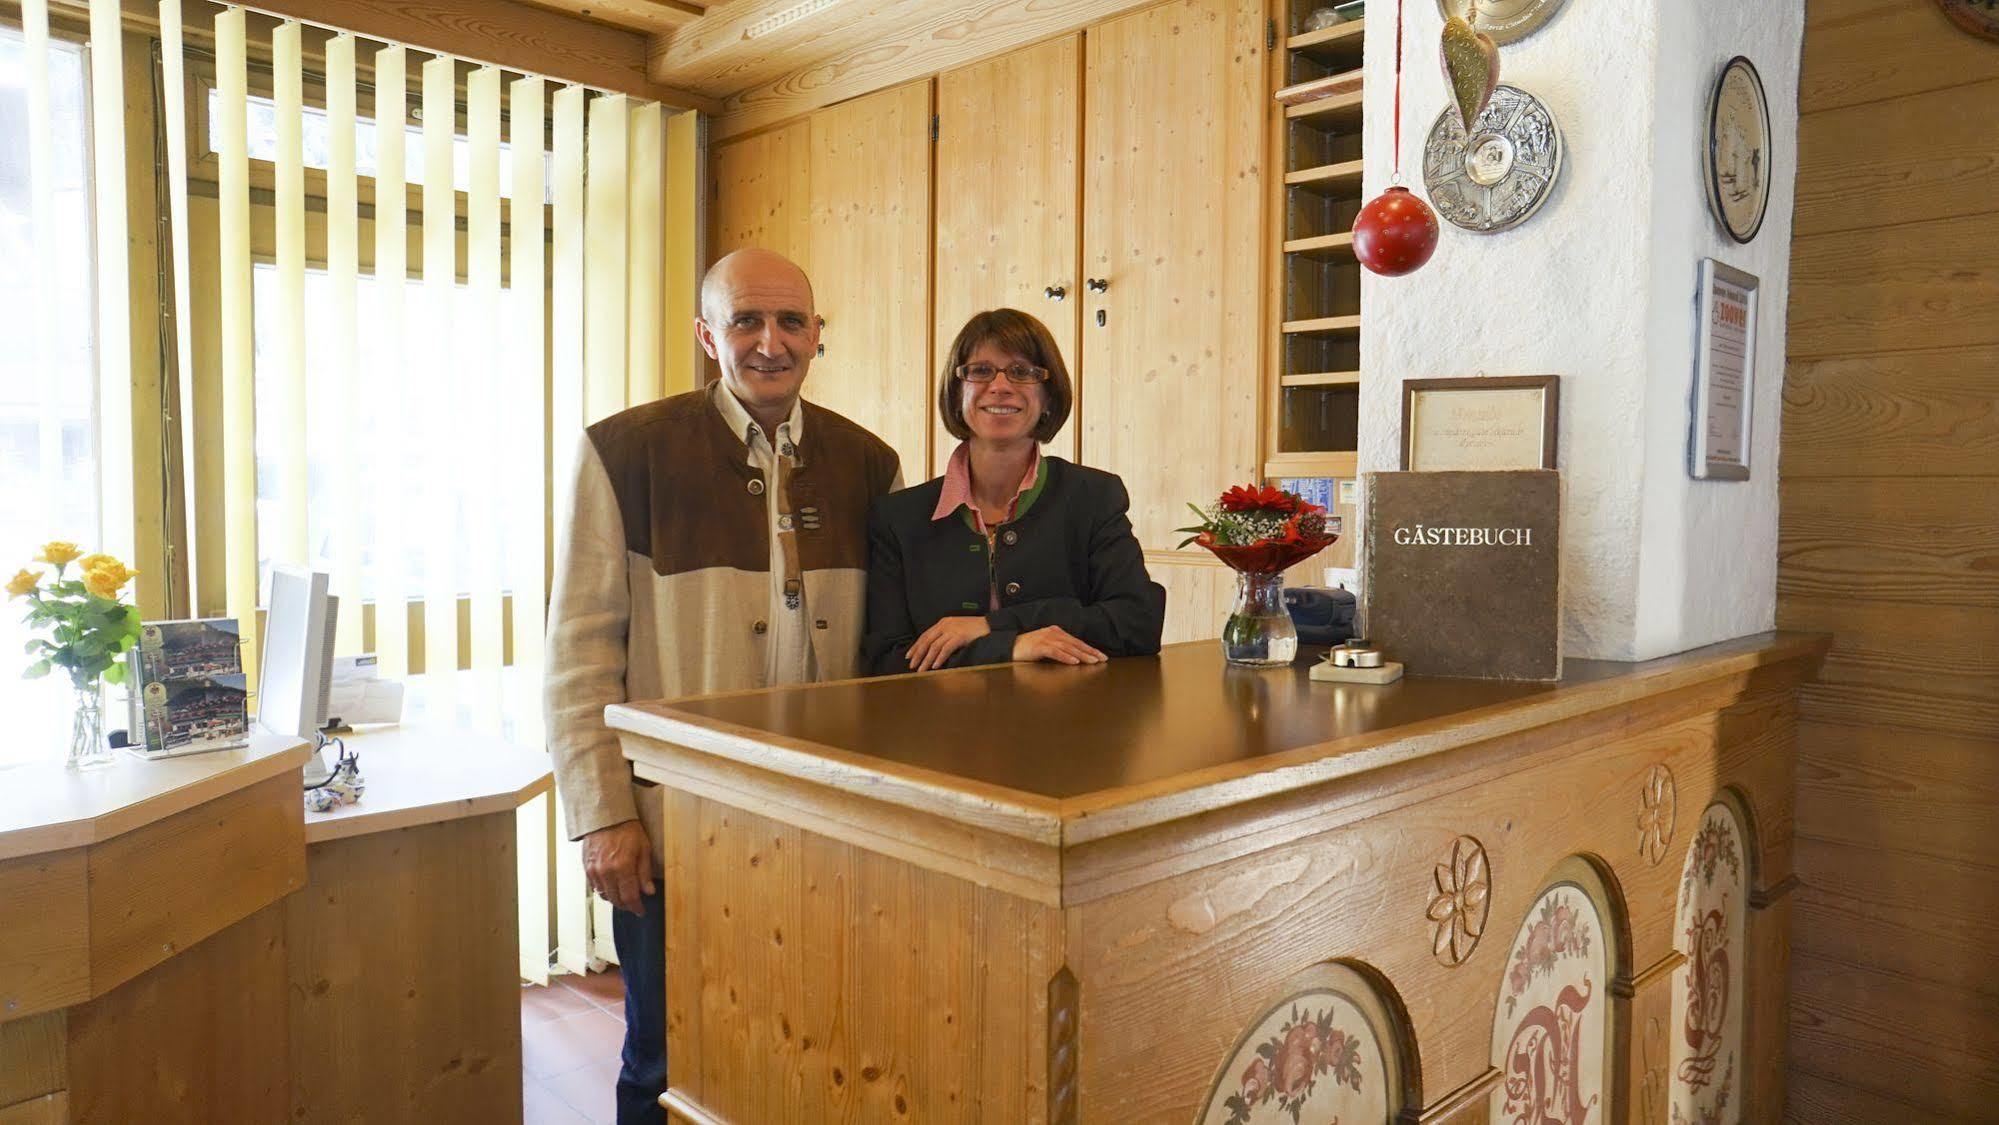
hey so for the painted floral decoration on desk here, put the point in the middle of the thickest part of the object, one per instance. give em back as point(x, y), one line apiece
point(1261, 532)
point(1288, 1065)
point(89, 632)
point(1560, 931)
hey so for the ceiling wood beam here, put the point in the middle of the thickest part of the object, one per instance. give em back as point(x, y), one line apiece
point(652, 17)
point(740, 43)
point(504, 33)
point(892, 41)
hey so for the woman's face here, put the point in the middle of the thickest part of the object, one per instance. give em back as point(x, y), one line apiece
point(1001, 411)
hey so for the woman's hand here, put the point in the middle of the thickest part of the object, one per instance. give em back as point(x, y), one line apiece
point(949, 635)
point(1054, 643)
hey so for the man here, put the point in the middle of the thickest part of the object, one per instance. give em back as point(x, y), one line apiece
point(715, 540)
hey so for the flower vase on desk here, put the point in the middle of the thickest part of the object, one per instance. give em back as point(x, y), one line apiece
point(1259, 632)
point(89, 632)
point(87, 748)
point(1261, 532)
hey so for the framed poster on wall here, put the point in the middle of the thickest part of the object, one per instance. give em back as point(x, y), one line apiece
point(1724, 373)
point(1483, 423)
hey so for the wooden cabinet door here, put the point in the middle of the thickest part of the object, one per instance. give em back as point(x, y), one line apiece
point(870, 263)
point(759, 193)
point(1007, 187)
point(1172, 194)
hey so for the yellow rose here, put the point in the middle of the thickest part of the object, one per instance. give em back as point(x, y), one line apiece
point(23, 584)
point(56, 552)
point(92, 562)
point(104, 579)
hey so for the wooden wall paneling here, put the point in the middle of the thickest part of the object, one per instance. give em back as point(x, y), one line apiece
point(760, 192)
point(870, 261)
point(1900, 539)
point(1199, 593)
point(1935, 284)
point(1876, 787)
point(172, 1047)
point(1944, 170)
point(1872, 50)
point(1922, 667)
point(1910, 414)
point(1891, 422)
point(1909, 1040)
point(1008, 183)
point(390, 924)
point(1172, 203)
point(33, 1059)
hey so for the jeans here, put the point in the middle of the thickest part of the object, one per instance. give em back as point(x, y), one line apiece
point(641, 944)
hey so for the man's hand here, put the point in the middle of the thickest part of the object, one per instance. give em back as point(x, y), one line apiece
point(617, 861)
point(939, 641)
point(1054, 643)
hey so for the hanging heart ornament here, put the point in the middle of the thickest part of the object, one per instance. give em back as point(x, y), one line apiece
point(1471, 67)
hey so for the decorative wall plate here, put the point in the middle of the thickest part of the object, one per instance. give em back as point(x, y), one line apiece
point(1735, 159)
point(1497, 177)
point(1979, 17)
point(1708, 991)
point(1507, 21)
point(1324, 1050)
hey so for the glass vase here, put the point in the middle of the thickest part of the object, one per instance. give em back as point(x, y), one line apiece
point(1259, 633)
point(87, 747)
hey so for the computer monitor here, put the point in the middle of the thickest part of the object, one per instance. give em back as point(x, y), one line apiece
point(297, 665)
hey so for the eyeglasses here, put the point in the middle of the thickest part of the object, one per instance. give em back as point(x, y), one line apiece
point(986, 373)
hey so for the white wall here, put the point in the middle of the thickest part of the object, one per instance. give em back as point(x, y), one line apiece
point(1597, 288)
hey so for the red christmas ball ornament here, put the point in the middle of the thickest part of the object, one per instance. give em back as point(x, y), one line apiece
point(1396, 233)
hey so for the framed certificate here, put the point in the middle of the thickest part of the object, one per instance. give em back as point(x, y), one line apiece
point(1489, 424)
point(1724, 373)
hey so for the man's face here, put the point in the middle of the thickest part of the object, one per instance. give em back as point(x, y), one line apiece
point(760, 327)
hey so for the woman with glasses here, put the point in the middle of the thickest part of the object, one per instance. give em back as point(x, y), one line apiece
point(1011, 554)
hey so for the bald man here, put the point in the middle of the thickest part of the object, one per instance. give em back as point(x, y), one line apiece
point(716, 540)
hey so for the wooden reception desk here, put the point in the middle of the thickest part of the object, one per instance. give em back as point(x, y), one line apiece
point(1166, 890)
point(157, 965)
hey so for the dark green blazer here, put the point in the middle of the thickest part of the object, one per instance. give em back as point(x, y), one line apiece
point(1070, 560)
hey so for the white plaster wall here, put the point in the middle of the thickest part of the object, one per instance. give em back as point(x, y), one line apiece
point(1708, 549)
point(1597, 288)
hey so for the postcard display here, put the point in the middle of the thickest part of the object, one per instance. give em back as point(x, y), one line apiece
point(188, 687)
point(1464, 572)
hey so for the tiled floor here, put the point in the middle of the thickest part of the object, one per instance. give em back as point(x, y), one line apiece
point(571, 1033)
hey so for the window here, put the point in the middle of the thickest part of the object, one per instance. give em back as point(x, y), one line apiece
point(48, 468)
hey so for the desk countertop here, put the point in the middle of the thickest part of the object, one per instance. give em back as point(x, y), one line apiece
point(47, 807)
point(423, 775)
point(1046, 752)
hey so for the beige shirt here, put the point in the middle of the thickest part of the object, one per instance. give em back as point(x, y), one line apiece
point(788, 656)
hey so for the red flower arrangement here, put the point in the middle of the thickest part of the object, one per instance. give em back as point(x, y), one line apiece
point(1258, 529)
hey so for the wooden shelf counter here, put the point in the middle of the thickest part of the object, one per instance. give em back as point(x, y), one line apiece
point(142, 936)
point(1162, 889)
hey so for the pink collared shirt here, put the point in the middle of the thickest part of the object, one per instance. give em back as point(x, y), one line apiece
point(958, 487)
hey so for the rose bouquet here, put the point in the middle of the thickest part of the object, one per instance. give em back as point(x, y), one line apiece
point(89, 630)
point(1260, 532)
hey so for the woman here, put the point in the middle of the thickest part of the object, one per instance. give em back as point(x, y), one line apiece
point(1010, 555)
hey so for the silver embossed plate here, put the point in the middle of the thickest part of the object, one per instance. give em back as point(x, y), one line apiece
point(1495, 178)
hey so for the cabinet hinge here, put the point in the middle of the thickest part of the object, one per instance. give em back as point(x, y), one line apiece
point(1270, 35)
point(933, 126)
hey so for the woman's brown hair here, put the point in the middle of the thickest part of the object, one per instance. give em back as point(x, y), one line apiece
point(1015, 333)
